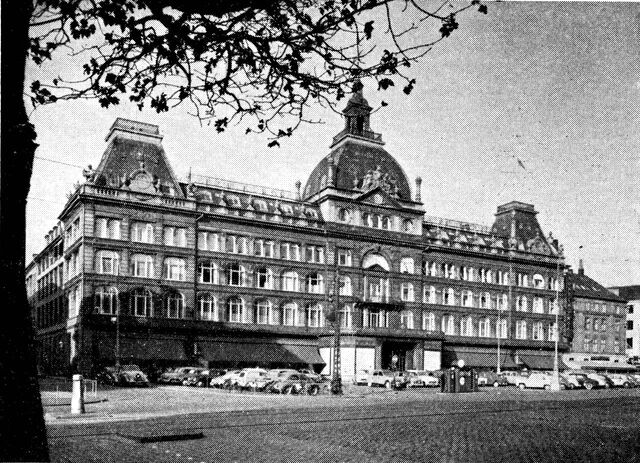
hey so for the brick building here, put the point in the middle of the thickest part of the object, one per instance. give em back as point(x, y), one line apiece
point(228, 274)
point(632, 295)
point(599, 325)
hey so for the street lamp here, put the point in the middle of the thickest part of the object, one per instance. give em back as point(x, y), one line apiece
point(555, 380)
point(336, 377)
point(116, 320)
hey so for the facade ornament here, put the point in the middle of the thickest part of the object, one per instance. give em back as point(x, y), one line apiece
point(140, 159)
point(89, 174)
point(377, 179)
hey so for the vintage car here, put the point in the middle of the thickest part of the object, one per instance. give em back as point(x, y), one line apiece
point(361, 377)
point(125, 375)
point(422, 378)
point(251, 378)
point(539, 380)
point(294, 383)
point(226, 380)
point(491, 378)
point(387, 378)
point(203, 379)
point(180, 375)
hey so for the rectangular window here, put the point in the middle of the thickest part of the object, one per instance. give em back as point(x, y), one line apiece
point(175, 269)
point(315, 254)
point(537, 331)
point(174, 236)
point(629, 325)
point(538, 305)
point(290, 251)
point(521, 329)
point(263, 248)
point(344, 257)
point(406, 265)
point(208, 241)
point(237, 244)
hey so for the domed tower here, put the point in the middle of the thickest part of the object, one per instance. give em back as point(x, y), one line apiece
point(360, 179)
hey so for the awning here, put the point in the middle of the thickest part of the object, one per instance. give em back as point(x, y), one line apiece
point(140, 348)
point(541, 362)
point(478, 359)
point(260, 353)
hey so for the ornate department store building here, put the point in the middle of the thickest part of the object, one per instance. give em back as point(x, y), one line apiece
point(226, 274)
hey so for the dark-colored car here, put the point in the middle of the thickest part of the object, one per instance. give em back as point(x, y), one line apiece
point(584, 381)
point(203, 379)
point(126, 375)
point(294, 383)
point(180, 375)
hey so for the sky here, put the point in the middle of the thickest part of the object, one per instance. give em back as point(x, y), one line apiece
point(534, 102)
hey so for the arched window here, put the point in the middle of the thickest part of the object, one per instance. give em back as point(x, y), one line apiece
point(264, 278)
point(386, 223)
point(263, 312)
point(429, 269)
point(521, 303)
point(448, 296)
point(537, 332)
point(448, 324)
point(466, 326)
point(429, 321)
point(375, 260)
point(235, 310)
point(407, 226)
point(346, 316)
point(366, 220)
point(107, 262)
point(142, 232)
point(501, 327)
point(106, 300)
point(502, 301)
point(175, 305)
point(406, 319)
point(290, 281)
point(236, 275)
point(315, 283)
point(467, 298)
point(538, 305)
point(484, 328)
point(485, 299)
point(142, 265)
point(406, 292)
point(208, 309)
point(521, 329)
point(108, 228)
point(141, 303)
point(290, 314)
point(175, 269)
point(345, 286)
point(208, 272)
point(314, 315)
point(375, 221)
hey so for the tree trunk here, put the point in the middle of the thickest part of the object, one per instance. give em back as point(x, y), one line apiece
point(21, 418)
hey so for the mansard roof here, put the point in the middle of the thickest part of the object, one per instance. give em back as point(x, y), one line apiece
point(584, 286)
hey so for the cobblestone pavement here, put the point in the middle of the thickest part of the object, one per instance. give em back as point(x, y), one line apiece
point(510, 426)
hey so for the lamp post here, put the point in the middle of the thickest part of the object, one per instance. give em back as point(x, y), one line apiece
point(336, 377)
point(116, 320)
point(555, 380)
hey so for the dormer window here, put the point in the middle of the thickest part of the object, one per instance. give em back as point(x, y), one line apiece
point(233, 201)
point(260, 205)
point(343, 215)
point(407, 226)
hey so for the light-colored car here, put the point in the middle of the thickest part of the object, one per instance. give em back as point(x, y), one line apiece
point(180, 375)
point(251, 377)
point(620, 380)
point(538, 380)
point(512, 376)
point(425, 377)
point(220, 381)
point(386, 378)
point(361, 377)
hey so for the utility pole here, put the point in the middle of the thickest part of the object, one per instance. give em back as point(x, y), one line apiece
point(555, 382)
point(336, 381)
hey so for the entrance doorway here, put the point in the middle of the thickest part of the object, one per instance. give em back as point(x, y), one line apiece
point(397, 355)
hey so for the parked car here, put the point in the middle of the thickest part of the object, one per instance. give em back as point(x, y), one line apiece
point(491, 378)
point(602, 380)
point(294, 383)
point(427, 378)
point(126, 375)
point(584, 381)
point(361, 377)
point(278, 372)
point(538, 380)
point(311, 374)
point(512, 376)
point(620, 380)
point(251, 378)
point(180, 375)
point(635, 381)
point(222, 380)
point(386, 378)
point(203, 379)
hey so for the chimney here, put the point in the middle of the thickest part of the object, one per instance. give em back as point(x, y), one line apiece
point(331, 181)
point(418, 189)
point(580, 267)
point(298, 185)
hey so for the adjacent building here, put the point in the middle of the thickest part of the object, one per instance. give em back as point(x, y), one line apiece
point(632, 295)
point(159, 271)
point(599, 325)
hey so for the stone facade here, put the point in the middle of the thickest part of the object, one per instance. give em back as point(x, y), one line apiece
point(224, 274)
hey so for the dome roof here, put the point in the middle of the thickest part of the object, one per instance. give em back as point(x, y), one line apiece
point(353, 161)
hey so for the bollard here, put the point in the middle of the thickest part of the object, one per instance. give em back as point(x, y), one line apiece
point(77, 395)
